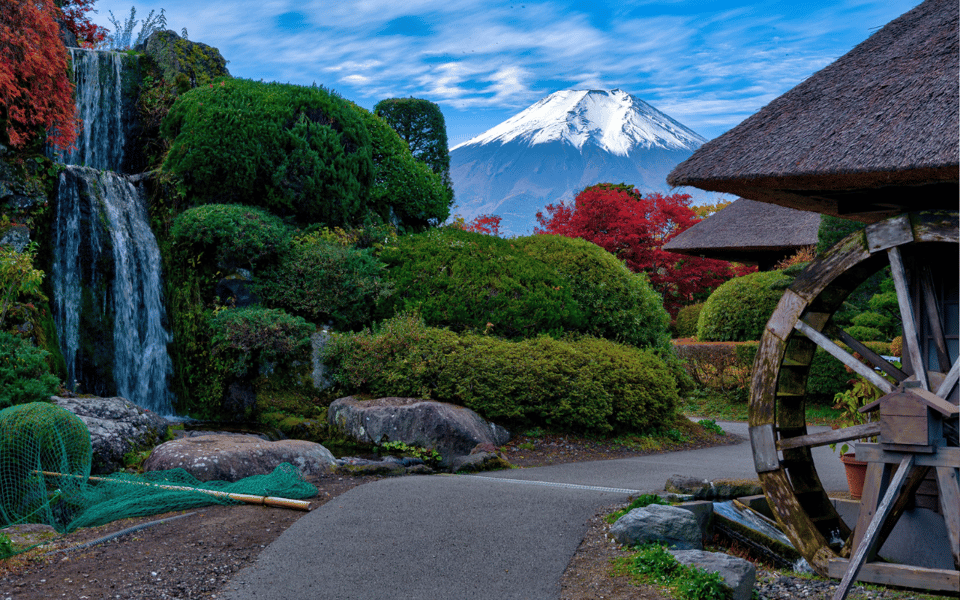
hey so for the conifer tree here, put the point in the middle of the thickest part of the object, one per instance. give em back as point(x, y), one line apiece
point(421, 125)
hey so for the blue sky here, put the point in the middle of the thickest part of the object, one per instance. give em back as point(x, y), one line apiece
point(708, 64)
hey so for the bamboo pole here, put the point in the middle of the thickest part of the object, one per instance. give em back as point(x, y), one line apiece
point(246, 498)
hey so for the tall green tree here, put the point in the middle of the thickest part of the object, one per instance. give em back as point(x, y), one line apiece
point(420, 124)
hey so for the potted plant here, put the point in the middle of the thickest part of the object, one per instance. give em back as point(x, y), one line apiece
point(849, 403)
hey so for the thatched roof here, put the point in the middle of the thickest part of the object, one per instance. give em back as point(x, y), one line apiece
point(749, 232)
point(858, 137)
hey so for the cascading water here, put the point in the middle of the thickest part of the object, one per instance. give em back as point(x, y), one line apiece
point(107, 289)
point(98, 77)
point(107, 270)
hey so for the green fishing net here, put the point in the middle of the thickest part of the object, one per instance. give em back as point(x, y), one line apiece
point(45, 477)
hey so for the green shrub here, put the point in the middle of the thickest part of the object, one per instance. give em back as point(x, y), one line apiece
point(465, 280)
point(523, 287)
point(296, 151)
point(687, 318)
point(583, 385)
point(404, 190)
point(324, 281)
point(234, 236)
point(265, 338)
point(24, 372)
point(739, 309)
point(617, 303)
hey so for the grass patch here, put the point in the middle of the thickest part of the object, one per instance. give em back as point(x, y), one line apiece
point(731, 406)
point(651, 564)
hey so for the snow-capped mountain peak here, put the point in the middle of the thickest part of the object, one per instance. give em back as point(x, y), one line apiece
point(612, 120)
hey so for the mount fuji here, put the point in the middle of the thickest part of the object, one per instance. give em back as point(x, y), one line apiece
point(565, 142)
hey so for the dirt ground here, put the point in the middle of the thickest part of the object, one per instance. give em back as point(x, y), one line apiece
point(193, 556)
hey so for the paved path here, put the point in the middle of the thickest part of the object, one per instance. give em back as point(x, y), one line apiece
point(503, 535)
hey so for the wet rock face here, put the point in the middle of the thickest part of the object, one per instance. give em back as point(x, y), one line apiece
point(117, 426)
point(719, 489)
point(231, 457)
point(451, 430)
point(669, 525)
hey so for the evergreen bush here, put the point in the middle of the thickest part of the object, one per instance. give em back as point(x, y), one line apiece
point(249, 340)
point(234, 236)
point(617, 303)
point(325, 281)
point(583, 384)
point(24, 372)
point(686, 325)
point(296, 151)
point(464, 280)
point(405, 190)
point(738, 310)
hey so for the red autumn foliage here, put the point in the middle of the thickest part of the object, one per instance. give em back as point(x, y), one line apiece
point(486, 224)
point(36, 94)
point(634, 228)
point(88, 33)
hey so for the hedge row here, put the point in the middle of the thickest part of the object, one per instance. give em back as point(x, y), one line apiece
point(585, 385)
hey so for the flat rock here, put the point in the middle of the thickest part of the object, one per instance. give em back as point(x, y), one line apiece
point(740, 575)
point(449, 429)
point(717, 489)
point(656, 524)
point(117, 427)
point(234, 457)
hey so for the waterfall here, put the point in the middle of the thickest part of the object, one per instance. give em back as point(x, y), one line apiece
point(107, 291)
point(98, 77)
point(108, 304)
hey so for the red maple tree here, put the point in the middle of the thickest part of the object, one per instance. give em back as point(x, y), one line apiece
point(486, 224)
point(89, 34)
point(634, 228)
point(36, 94)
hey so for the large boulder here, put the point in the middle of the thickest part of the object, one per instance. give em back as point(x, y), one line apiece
point(231, 457)
point(656, 524)
point(449, 429)
point(738, 574)
point(117, 427)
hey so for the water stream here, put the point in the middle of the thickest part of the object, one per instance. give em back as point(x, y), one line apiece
point(108, 295)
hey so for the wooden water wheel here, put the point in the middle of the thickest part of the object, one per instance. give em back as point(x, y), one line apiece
point(917, 428)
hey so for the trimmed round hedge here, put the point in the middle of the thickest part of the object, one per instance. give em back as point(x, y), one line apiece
point(325, 281)
point(235, 236)
point(522, 287)
point(738, 310)
point(296, 151)
point(584, 385)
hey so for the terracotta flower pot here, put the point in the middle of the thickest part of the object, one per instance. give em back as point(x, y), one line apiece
point(856, 473)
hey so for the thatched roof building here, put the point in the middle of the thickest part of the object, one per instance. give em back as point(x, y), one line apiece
point(749, 232)
point(874, 133)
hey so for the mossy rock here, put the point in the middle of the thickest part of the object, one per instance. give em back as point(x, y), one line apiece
point(199, 63)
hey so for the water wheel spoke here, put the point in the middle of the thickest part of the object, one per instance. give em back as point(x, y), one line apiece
point(933, 316)
point(951, 380)
point(835, 436)
point(843, 356)
point(911, 338)
point(874, 358)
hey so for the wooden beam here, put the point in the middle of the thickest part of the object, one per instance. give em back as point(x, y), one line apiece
point(910, 336)
point(947, 482)
point(870, 536)
point(845, 357)
point(830, 437)
point(880, 362)
point(921, 578)
point(933, 316)
point(951, 380)
point(944, 457)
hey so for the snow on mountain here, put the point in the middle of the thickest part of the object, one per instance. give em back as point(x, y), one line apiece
point(565, 142)
point(612, 120)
